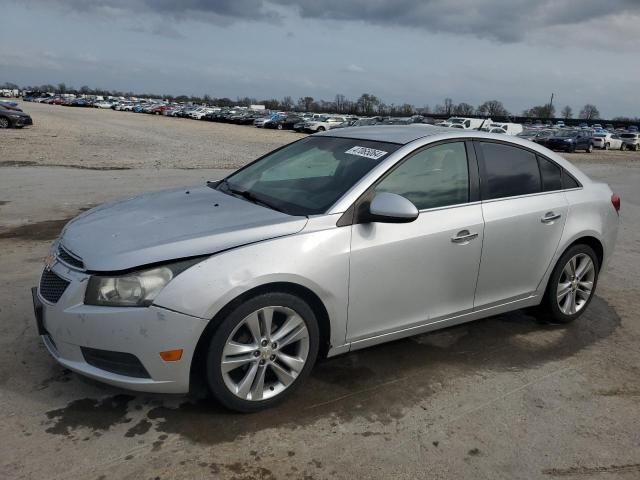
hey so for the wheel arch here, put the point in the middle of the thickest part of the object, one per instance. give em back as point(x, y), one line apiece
point(592, 242)
point(308, 295)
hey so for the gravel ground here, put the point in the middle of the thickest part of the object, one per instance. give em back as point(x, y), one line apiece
point(509, 397)
point(106, 139)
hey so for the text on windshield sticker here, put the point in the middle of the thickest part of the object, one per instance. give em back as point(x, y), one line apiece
point(366, 152)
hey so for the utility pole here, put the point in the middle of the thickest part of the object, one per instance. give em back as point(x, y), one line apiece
point(551, 103)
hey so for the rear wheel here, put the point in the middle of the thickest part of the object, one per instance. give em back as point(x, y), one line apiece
point(606, 146)
point(321, 129)
point(4, 122)
point(262, 351)
point(572, 284)
point(590, 148)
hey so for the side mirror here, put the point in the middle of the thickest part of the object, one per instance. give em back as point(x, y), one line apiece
point(391, 208)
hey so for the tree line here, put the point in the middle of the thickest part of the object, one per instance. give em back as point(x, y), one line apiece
point(367, 104)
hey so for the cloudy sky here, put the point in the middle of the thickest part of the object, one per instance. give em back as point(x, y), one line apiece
point(416, 51)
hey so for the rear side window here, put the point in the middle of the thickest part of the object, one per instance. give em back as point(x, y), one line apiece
point(551, 175)
point(508, 171)
point(568, 181)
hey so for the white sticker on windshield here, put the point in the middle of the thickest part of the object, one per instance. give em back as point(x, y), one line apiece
point(366, 152)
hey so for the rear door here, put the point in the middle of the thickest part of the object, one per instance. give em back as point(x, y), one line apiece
point(524, 210)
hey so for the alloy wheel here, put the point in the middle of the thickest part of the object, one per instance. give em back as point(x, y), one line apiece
point(265, 353)
point(575, 285)
point(4, 123)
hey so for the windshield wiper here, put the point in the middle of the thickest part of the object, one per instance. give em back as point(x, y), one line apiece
point(248, 195)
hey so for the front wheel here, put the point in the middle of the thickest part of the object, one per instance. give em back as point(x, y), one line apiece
point(262, 351)
point(4, 122)
point(606, 146)
point(321, 129)
point(590, 148)
point(572, 284)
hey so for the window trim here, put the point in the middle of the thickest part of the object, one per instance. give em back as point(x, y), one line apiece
point(480, 160)
point(350, 216)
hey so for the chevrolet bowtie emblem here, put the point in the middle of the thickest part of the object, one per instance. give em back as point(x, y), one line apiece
point(49, 261)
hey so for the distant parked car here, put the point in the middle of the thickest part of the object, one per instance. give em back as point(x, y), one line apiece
point(328, 124)
point(260, 121)
point(284, 123)
point(570, 141)
point(630, 141)
point(11, 118)
point(605, 141)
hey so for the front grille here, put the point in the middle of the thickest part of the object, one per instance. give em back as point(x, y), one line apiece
point(69, 259)
point(52, 286)
point(115, 362)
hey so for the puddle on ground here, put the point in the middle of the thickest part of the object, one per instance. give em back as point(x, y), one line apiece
point(376, 384)
point(44, 230)
point(31, 163)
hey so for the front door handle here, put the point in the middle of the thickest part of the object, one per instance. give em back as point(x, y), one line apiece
point(464, 236)
point(550, 217)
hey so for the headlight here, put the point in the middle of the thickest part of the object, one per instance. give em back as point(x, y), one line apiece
point(567, 140)
point(136, 289)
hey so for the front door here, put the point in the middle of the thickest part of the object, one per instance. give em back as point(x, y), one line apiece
point(406, 275)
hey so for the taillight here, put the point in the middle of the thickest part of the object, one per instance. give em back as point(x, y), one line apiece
point(615, 201)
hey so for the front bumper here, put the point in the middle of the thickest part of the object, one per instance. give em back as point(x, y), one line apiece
point(68, 326)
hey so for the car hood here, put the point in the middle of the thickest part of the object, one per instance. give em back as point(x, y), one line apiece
point(168, 225)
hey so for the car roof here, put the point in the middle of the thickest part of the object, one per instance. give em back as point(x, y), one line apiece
point(401, 134)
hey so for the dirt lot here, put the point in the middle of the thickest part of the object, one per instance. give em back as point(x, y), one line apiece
point(504, 398)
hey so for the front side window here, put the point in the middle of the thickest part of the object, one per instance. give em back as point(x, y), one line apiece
point(508, 171)
point(308, 176)
point(435, 177)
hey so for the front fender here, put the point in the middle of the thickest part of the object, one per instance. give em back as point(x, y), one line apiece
point(315, 259)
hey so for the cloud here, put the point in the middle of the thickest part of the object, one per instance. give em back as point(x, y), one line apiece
point(506, 22)
point(353, 68)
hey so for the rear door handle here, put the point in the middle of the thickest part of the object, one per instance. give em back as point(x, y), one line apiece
point(464, 236)
point(550, 217)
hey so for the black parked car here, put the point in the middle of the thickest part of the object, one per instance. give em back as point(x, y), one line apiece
point(12, 118)
point(284, 123)
point(570, 141)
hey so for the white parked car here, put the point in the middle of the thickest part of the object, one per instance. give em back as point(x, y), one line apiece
point(102, 104)
point(466, 123)
point(630, 141)
point(504, 128)
point(328, 124)
point(605, 141)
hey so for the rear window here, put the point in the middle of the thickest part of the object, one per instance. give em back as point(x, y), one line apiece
point(508, 171)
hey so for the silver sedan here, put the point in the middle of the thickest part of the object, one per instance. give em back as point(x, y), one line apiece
point(336, 242)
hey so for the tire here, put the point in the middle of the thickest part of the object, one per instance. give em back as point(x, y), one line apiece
point(622, 148)
point(321, 129)
point(560, 310)
point(291, 318)
point(571, 149)
point(590, 148)
point(606, 146)
point(279, 127)
point(4, 122)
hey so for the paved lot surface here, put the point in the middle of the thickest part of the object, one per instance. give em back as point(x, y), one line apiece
point(508, 397)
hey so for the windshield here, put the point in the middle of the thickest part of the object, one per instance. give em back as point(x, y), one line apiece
point(628, 135)
point(566, 134)
point(308, 176)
